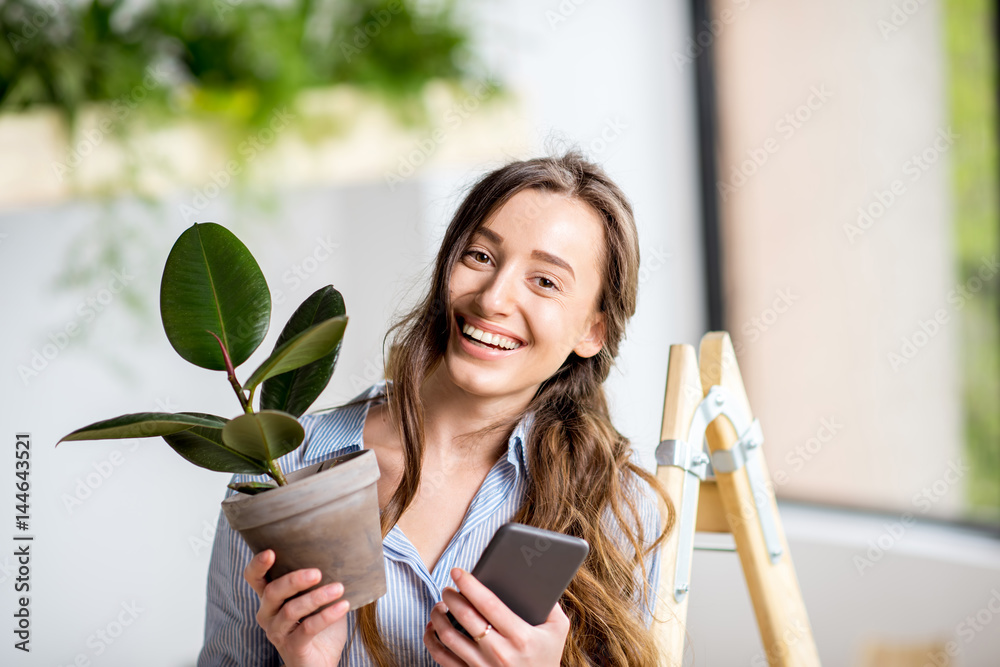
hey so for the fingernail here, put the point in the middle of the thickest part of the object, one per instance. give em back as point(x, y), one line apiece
point(456, 573)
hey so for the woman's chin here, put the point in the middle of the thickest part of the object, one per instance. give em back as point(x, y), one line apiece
point(474, 379)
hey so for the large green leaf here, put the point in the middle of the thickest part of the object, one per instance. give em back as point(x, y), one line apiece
point(204, 447)
point(211, 282)
point(142, 425)
point(294, 391)
point(264, 435)
point(303, 348)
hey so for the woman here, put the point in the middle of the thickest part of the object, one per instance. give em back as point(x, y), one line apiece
point(495, 412)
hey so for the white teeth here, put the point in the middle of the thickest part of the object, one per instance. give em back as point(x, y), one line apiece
point(490, 338)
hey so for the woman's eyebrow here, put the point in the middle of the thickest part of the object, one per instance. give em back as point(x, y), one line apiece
point(552, 259)
point(493, 237)
point(490, 235)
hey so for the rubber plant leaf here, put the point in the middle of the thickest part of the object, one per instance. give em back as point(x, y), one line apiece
point(265, 435)
point(295, 390)
point(204, 447)
point(251, 488)
point(211, 282)
point(303, 348)
point(142, 425)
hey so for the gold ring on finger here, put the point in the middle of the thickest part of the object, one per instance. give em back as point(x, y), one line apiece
point(485, 632)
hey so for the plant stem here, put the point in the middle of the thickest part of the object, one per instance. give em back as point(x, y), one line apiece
point(244, 403)
point(231, 372)
point(276, 473)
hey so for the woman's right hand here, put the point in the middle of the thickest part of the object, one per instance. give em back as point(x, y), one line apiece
point(316, 642)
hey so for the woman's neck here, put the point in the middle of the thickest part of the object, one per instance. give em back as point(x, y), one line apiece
point(450, 413)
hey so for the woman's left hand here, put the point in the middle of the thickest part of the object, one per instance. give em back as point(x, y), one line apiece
point(504, 637)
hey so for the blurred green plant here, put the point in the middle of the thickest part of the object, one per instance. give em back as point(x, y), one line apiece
point(234, 59)
point(972, 68)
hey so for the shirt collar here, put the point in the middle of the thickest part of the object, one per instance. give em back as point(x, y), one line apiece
point(516, 447)
point(324, 441)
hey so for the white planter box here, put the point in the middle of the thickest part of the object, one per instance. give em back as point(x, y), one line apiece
point(331, 135)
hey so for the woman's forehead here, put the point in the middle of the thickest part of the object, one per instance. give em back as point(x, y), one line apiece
point(540, 212)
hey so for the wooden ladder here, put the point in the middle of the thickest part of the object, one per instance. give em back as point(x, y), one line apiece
point(726, 489)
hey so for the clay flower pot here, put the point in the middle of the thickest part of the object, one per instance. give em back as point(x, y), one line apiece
point(327, 517)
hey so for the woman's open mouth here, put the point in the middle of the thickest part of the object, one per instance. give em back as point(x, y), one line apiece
point(485, 340)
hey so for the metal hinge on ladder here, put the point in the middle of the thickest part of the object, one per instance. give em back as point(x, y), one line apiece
point(692, 457)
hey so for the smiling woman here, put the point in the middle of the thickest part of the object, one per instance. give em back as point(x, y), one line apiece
point(493, 411)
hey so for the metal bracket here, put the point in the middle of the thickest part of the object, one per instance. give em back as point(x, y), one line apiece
point(695, 461)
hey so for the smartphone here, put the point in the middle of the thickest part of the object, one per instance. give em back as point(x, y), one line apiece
point(528, 568)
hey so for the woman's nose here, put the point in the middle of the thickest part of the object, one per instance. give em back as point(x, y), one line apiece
point(497, 294)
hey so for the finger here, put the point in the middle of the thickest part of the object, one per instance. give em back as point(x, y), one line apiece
point(297, 609)
point(441, 653)
point(558, 619)
point(487, 604)
point(461, 646)
point(316, 623)
point(463, 611)
point(282, 588)
point(256, 569)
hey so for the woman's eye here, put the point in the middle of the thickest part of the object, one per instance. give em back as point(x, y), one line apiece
point(478, 256)
point(546, 283)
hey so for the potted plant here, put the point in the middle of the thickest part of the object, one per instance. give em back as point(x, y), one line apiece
point(216, 308)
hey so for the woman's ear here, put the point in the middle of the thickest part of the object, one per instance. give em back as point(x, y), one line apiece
point(593, 340)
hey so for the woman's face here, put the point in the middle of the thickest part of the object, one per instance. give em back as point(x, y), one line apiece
point(528, 283)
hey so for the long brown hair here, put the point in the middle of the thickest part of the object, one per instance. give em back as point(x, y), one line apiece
point(580, 467)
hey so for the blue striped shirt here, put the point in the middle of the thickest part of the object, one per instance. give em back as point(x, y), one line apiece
point(233, 637)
